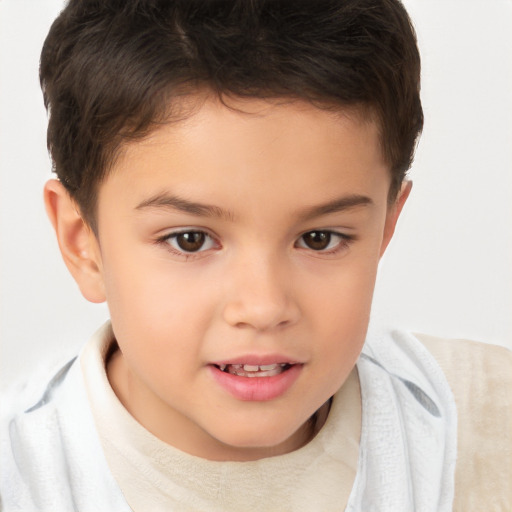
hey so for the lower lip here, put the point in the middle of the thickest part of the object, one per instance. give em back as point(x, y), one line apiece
point(257, 389)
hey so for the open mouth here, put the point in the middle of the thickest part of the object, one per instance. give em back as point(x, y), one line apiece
point(249, 370)
point(256, 382)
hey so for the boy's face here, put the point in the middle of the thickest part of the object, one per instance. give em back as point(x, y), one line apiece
point(241, 238)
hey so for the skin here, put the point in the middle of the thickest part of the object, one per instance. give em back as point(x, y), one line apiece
point(270, 172)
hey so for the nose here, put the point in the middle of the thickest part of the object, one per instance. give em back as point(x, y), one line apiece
point(260, 296)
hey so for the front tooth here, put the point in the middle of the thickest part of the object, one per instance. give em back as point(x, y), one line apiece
point(251, 368)
point(268, 367)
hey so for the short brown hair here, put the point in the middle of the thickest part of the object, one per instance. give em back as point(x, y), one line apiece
point(112, 69)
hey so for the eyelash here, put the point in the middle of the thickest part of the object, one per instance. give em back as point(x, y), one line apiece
point(343, 243)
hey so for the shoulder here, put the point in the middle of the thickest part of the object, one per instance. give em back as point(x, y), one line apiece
point(32, 439)
point(51, 454)
point(454, 355)
point(480, 376)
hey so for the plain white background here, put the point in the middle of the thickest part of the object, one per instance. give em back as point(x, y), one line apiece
point(448, 271)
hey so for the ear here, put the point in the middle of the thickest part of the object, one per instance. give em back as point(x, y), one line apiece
point(78, 244)
point(393, 213)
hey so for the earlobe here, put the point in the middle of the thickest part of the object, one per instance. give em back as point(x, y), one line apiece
point(394, 211)
point(78, 244)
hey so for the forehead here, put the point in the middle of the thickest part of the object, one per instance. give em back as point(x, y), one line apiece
point(198, 111)
point(274, 148)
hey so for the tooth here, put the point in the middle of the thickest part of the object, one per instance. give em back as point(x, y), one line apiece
point(251, 368)
point(268, 367)
point(222, 367)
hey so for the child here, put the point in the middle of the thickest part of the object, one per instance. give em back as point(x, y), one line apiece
point(229, 175)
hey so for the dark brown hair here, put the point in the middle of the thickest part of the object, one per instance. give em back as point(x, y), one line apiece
point(113, 69)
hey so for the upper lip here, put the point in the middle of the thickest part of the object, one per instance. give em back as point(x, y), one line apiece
point(257, 359)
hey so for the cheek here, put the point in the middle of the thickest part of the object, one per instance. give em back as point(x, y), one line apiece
point(156, 324)
point(152, 301)
point(345, 290)
point(138, 281)
point(342, 309)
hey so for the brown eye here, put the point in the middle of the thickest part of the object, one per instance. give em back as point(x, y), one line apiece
point(317, 240)
point(186, 242)
point(191, 241)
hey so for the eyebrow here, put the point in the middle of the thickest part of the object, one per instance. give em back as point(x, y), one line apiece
point(337, 205)
point(173, 202)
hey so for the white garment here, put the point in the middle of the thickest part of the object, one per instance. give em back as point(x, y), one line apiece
point(408, 444)
point(52, 459)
